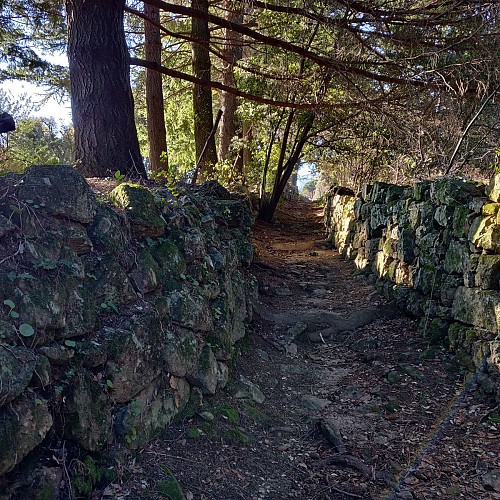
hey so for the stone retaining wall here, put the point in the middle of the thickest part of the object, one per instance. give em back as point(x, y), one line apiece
point(114, 314)
point(434, 249)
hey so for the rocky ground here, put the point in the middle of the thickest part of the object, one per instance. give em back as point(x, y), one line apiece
point(371, 413)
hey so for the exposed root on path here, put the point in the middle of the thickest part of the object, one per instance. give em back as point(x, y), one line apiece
point(336, 326)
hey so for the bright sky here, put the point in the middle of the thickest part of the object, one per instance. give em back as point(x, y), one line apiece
point(61, 111)
point(42, 106)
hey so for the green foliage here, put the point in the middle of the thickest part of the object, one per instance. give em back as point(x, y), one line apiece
point(65, 381)
point(35, 141)
point(193, 433)
point(374, 54)
point(109, 307)
point(28, 29)
point(119, 176)
point(236, 436)
point(494, 417)
point(12, 313)
point(179, 119)
point(255, 414)
point(26, 330)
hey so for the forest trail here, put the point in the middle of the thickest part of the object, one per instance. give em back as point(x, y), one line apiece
point(369, 413)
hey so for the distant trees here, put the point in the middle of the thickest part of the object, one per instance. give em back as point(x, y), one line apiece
point(202, 93)
point(35, 140)
point(157, 134)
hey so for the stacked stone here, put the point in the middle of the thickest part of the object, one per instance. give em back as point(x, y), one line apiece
point(114, 318)
point(434, 249)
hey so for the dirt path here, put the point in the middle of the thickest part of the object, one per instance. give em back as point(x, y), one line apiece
point(369, 413)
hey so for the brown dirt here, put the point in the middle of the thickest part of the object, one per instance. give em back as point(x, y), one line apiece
point(405, 423)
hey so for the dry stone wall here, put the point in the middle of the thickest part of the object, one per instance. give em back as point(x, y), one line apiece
point(434, 249)
point(116, 314)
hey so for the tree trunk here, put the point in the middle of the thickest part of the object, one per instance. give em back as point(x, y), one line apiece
point(266, 212)
point(232, 52)
point(157, 134)
point(202, 96)
point(101, 97)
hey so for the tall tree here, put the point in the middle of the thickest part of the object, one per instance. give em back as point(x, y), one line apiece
point(232, 52)
point(202, 95)
point(157, 134)
point(101, 97)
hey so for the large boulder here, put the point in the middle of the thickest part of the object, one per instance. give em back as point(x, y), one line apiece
point(149, 413)
point(180, 351)
point(88, 413)
point(23, 425)
point(456, 257)
point(190, 309)
point(16, 369)
point(141, 208)
point(454, 192)
point(488, 272)
point(477, 307)
point(493, 188)
point(134, 359)
point(206, 375)
point(60, 190)
point(109, 231)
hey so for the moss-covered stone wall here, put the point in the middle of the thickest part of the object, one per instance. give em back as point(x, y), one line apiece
point(434, 249)
point(115, 313)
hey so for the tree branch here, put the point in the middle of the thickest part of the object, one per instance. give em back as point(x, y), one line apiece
point(216, 85)
point(340, 66)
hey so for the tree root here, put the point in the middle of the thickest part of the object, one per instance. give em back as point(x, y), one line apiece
point(360, 466)
point(336, 325)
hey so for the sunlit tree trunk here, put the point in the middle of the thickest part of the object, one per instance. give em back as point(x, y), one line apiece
point(202, 96)
point(101, 97)
point(157, 134)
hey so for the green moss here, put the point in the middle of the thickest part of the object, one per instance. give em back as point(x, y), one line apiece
point(255, 414)
point(392, 406)
point(208, 429)
point(235, 436)
point(166, 253)
point(435, 330)
point(85, 475)
point(193, 433)
point(230, 413)
point(465, 360)
point(141, 208)
point(430, 352)
point(191, 408)
point(170, 488)
point(490, 208)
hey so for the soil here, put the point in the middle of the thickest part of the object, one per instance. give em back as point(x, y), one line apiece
point(373, 412)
